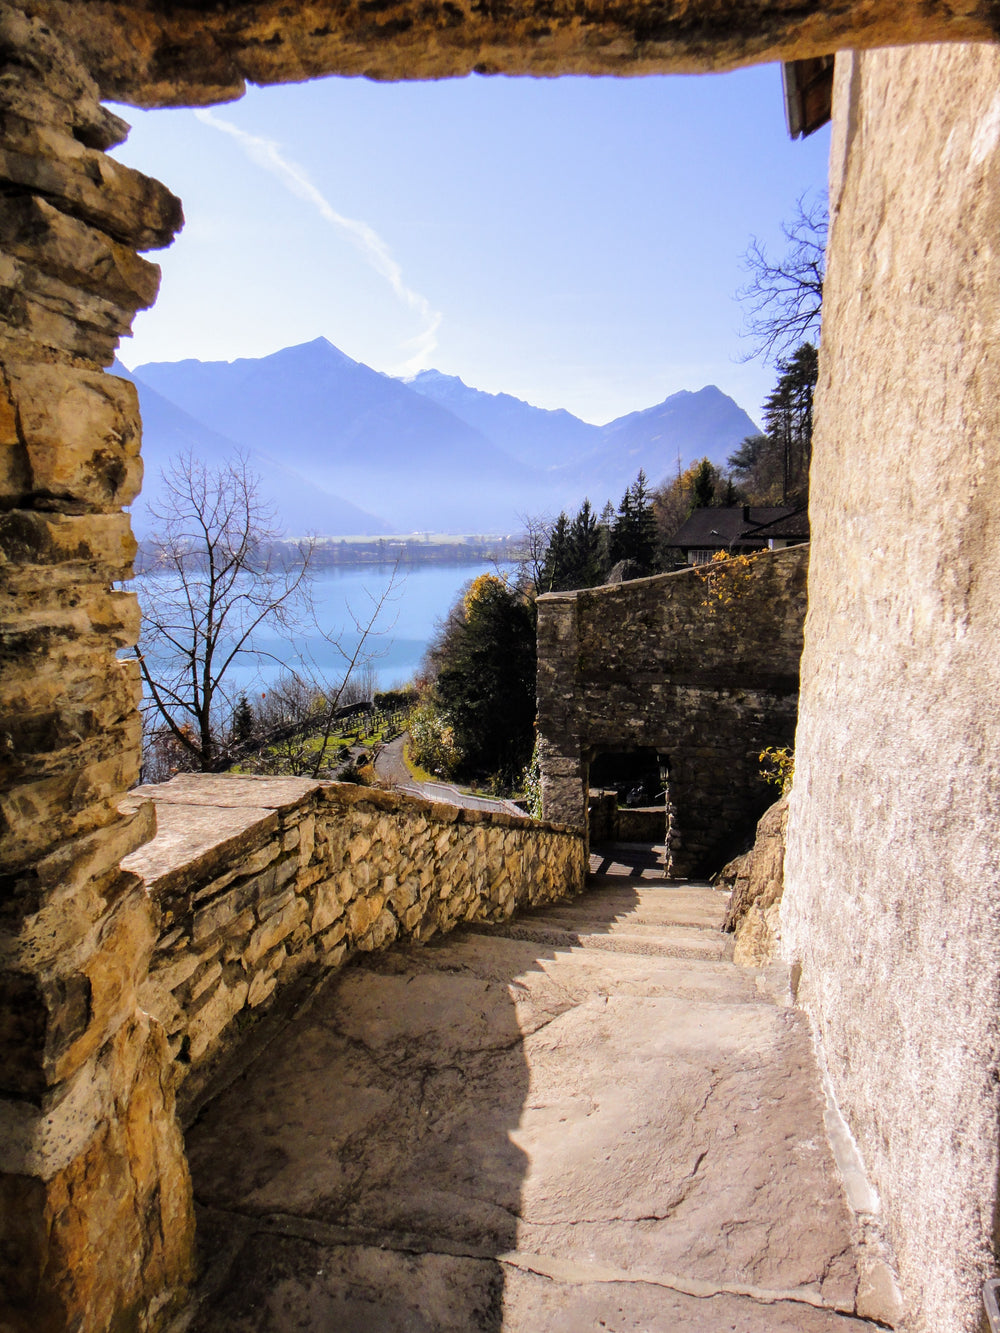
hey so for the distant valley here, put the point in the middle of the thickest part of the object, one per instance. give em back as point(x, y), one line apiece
point(344, 450)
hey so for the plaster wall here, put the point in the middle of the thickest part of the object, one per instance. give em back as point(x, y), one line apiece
point(892, 897)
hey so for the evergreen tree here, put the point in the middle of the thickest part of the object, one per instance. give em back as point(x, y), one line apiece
point(584, 541)
point(703, 488)
point(634, 533)
point(774, 467)
point(604, 526)
point(244, 724)
point(485, 682)
point(555, 566)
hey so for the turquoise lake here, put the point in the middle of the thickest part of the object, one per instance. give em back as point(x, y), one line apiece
point(421, 596)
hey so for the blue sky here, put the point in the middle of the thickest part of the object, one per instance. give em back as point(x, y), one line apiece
point(575, 242)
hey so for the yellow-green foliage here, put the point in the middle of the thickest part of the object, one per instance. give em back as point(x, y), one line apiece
point(432, 740)
point(779, 766)
point(531, 780)
point(726, 578)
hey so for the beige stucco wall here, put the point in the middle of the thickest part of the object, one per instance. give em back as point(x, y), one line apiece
point(892, 901)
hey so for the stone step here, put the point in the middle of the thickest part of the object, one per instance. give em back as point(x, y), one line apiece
point(654, 941)
point(705, 908)
point(490, 1132)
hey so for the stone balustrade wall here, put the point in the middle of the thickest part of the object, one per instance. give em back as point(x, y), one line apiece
point(256, 879)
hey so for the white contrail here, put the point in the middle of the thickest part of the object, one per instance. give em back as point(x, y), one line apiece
point(267, 154)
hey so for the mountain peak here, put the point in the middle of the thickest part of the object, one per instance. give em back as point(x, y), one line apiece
point(320, 348)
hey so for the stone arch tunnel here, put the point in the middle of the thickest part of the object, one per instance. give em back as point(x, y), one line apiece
point(892, 837)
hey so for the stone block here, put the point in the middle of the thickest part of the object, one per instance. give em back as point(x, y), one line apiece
point(113, 1228)
point(307, 840)
point(203, 981)
point(79, 254)
point(276, 902)
point(65, 895)
point(285, 871)
point(362, 912)
point(211, 1020)
point(381, 932)
point(273, 931)
point(171, 970)
point(114, 971)
point(358, 847)
point(328, 907)
point(219, 914)
point(263, 984)
point(86, 184)
point(237, 936)
point(69, 548)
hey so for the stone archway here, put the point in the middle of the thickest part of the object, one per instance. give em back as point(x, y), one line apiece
point(665, 664)
point(95, 1217)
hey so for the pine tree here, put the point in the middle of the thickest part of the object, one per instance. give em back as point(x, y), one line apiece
point(775, 466)
point(555, 566)
point(584, 541)
point(634, 535)
point(703, 488)
point(244, 724)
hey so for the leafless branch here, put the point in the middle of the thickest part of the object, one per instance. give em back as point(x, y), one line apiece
point(784, 298)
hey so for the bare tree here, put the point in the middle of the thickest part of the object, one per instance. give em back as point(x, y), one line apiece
point(784, 298)
point(302, 716)
point(531, 551)
point(216, 580)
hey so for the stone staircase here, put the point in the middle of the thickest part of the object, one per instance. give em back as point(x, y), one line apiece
point(586, 1119)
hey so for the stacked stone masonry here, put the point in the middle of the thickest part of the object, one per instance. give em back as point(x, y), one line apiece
point(702, 665)
point(95, 1210)
point(255, 880)
point(163, 53)
point(890, 909)
point(891, 906)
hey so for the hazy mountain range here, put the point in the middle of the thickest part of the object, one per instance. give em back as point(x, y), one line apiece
point(343, 449)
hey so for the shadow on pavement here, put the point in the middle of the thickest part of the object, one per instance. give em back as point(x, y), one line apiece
point(361, 1174)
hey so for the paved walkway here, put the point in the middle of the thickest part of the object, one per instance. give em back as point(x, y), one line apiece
point(589, 1119)
point(391, 767)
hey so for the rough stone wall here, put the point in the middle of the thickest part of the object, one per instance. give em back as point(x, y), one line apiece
point(702, 664)
point(95, 1212)
point(892, 891)
point(174, 52)
point(255, 879)
point(756, 882)
point(607, 821)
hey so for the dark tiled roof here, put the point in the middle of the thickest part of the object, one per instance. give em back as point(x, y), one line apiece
point(793, 525)
point(734, 525)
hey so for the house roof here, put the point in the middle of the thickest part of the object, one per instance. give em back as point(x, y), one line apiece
point(792, 525)
point(740, 525)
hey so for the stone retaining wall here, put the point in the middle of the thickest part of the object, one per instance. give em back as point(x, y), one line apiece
point(256, 879)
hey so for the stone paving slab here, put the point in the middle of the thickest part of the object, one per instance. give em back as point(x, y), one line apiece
point(285, 1282)
point(490, 1133)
